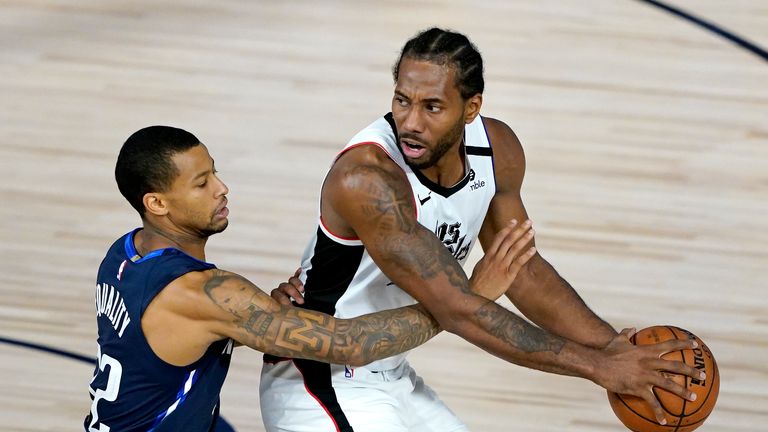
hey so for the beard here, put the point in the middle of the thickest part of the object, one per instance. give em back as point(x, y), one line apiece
point(214, 229)
point(441, 148)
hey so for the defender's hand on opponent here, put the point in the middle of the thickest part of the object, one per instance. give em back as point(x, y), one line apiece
point(508, 253)
point(291, 290)
point(636, 370)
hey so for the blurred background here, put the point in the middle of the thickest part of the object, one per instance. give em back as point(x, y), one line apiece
point(646, 140)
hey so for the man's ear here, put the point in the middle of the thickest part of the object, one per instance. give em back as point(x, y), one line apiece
point(156, 203)
point(472, 108)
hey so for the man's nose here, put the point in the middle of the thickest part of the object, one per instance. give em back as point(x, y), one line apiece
point(413, 122)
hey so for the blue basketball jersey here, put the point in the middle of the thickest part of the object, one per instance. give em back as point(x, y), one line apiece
point(132, 388)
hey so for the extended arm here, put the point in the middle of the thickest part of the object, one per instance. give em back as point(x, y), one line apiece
point(251, 317)
point(254, 319)
point(367, 195)
point(539, 292)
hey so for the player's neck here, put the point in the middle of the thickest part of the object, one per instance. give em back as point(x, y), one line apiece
point(154, 237)
point(450, 169)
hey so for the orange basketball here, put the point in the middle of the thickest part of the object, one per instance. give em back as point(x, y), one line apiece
point(681, 415)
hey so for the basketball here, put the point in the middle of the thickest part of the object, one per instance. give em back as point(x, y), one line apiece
point(682, 415)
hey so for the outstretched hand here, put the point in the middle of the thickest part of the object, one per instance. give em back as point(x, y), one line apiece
point(508, 253)
point(636, 370)
point(291, 290)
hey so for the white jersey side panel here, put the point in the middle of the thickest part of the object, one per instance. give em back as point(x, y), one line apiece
point(357, 286)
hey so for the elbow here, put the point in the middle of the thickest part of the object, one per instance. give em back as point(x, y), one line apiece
point(352, 357)
point(529, 279)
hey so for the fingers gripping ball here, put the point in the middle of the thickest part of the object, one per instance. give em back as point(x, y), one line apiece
point(681, 415)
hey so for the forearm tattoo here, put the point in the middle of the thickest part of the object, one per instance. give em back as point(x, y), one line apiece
point(517, 332)
point(384, 334)
point(293, 332)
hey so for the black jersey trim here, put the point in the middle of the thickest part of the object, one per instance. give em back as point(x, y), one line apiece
point(479, 151)
point(317, 381)
point(438, 189)
point(333, 267)
point(434, 187)
point(493, 161)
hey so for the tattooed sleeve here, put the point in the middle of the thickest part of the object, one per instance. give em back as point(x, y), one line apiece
point(267, 326)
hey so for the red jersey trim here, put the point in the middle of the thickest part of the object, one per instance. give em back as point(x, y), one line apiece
point(319, 402)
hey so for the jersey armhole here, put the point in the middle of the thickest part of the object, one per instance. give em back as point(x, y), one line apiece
point(362, 143)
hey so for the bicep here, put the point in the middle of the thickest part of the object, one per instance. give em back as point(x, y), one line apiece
point(505, 206)
point(378, 204)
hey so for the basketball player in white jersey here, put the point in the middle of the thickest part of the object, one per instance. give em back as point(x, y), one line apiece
point(401, 207)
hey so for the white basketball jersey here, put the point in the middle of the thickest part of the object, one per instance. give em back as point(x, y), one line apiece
point(341, 279)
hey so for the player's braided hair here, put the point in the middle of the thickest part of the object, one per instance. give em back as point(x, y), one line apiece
point(144, 164)
point(448, 48)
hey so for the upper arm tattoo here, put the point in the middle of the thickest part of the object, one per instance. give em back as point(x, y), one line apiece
point(387, 204)
point(240, 300)
point(389, 207)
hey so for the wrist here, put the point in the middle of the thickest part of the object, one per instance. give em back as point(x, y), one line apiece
point(588, 362)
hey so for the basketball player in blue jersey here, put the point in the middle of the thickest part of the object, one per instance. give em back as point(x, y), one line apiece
point(168, 320)
point(400, 209)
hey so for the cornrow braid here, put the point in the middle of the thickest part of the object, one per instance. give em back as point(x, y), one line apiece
point(447, 48)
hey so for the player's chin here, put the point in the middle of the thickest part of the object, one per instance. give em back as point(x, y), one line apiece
point(222, 225)
point(216, 227)
point(422, 162)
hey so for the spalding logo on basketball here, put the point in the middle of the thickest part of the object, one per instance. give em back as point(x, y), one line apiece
point(682, 415)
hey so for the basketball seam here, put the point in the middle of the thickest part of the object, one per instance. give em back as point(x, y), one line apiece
point(640, 415)
point(685, 377)
point(711, 387)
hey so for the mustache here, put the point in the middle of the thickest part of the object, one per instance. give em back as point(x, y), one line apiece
point(413, 138)
point(223, 204)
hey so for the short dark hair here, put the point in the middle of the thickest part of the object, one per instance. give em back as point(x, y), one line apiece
point(144, 164)
point(447, 48)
